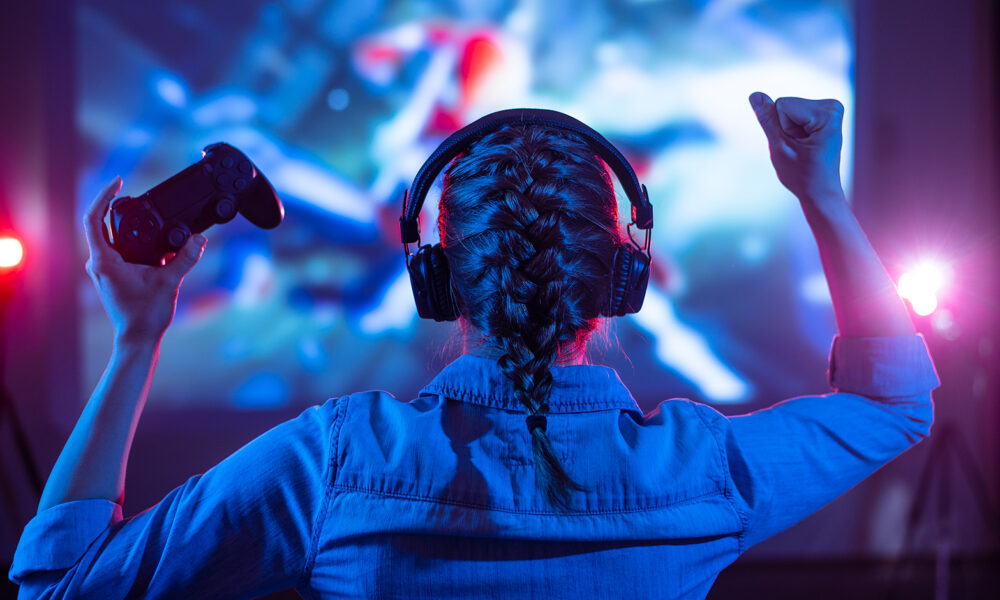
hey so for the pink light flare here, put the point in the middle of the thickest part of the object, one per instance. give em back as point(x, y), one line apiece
point(11, 252)
point(920, 286)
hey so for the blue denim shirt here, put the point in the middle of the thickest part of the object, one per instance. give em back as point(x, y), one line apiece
point(367, 496)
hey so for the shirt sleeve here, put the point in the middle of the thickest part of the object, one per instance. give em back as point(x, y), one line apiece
point(789, 460)
point(242, 529)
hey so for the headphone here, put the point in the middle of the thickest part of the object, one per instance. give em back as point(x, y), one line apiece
point(428, 268)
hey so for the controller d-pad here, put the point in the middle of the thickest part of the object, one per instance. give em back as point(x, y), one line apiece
point(140, 229)
point(228, 162)
point(240, 184)
point(246, 167)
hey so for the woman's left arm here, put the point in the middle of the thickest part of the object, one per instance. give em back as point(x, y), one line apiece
point(140, 301)
point(245, 527)
point(92, 463)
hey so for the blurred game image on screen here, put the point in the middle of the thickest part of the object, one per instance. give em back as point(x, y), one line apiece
point(339, 104)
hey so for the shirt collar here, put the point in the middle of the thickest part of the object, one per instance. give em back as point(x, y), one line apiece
point(575, 388)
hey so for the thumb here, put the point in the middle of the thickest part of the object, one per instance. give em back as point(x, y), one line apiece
point(188, 256)
point(767, 115)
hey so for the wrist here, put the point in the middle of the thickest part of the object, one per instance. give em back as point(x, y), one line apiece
point(823, 196)
point(131, 341)
point(826, 209)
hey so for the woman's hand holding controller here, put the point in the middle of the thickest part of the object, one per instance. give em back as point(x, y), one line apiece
point(140, 300)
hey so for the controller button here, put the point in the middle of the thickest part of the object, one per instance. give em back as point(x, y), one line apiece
point(146, 238)
point(246, 167)
point(148, 224)
point(240, 184)
point(224, 179)
point(133, 233)
point(132, 221)
point(228, 162)
point(207, 168)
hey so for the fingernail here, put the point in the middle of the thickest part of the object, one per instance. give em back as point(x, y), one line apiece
point(199, 239)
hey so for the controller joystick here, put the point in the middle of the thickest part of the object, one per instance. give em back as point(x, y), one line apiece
point(144, 229)
point(224, 209)
point(177, 235)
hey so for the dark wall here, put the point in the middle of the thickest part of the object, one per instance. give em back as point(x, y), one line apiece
point(22, 183)
point(927, 182)
point(925, 172)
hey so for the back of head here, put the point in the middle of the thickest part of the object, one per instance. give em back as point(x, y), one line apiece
point(529, 225)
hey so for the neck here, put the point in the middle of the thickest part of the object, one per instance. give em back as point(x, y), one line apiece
point(485, 349)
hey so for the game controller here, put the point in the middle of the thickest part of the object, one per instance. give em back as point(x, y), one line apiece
point(146, 228)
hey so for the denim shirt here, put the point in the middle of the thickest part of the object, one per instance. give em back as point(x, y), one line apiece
point(368, 496)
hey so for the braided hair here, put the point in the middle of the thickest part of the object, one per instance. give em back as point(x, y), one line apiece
point(529, 224)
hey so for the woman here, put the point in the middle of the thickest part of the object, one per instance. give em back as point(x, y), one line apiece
point(451, 494)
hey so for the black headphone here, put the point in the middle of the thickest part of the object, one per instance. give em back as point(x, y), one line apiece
point(429, 274)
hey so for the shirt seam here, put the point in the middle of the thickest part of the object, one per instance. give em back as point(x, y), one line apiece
point(727, 484)
point(334, 436)
point(481, 398)
point(616, 511)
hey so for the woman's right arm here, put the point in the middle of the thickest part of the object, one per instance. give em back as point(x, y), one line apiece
point(805, 137)
point(787, 461)
point(865, 301)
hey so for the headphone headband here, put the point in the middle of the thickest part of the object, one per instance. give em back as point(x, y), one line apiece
point(458, 142)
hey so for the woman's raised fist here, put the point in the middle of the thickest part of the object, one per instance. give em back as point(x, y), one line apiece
point(805, 138)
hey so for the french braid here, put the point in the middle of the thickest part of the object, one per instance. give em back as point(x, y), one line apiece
point(528, 222)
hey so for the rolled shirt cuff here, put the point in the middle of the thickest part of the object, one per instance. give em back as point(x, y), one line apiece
point(57, 537)
point(882, 366)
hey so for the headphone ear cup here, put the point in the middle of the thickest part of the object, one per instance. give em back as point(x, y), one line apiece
point(418, 283)
point(445, 306)
point(430, 280)
point(628, 281)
